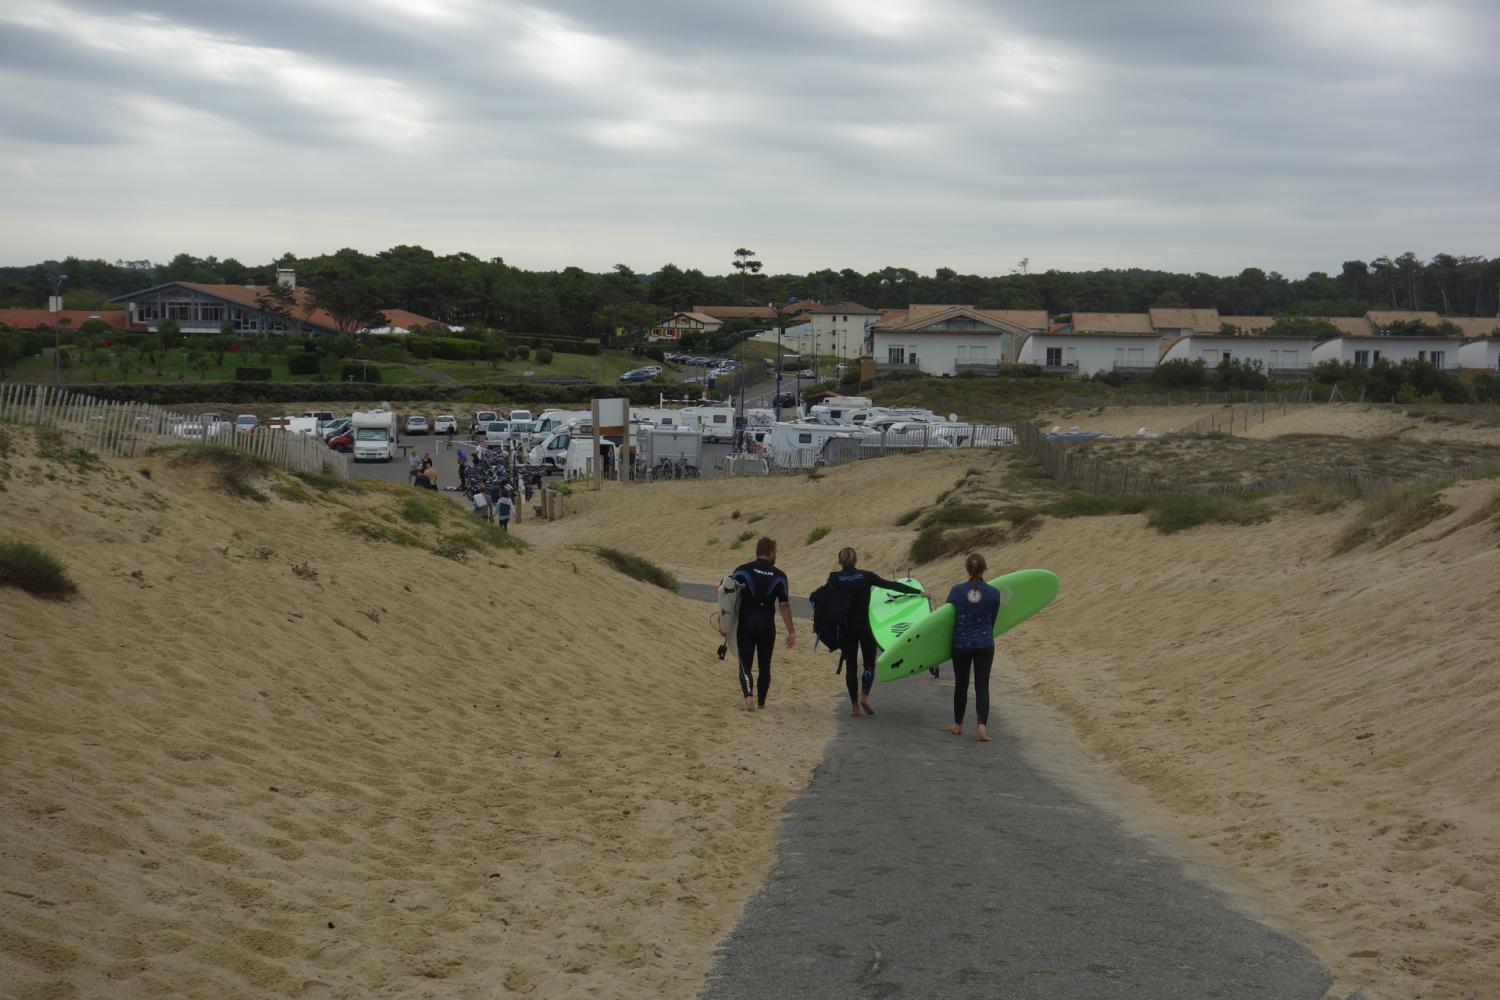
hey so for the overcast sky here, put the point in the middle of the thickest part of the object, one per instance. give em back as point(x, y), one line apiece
point(1183, 134)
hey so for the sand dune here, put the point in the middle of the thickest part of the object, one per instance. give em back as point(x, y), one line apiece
point(1323, 722)
point(406, 777)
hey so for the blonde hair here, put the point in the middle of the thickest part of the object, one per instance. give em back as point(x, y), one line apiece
point(975, 566)
point(848, 557)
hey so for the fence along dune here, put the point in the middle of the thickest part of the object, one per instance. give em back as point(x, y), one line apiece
point(129, 430)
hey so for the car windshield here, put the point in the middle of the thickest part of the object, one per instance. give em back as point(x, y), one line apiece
point(498, 427)
point(370, 434)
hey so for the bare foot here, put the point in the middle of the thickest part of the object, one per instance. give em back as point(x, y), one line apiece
point(854, 711)
point(749, 704)
point(984, 737)
point(864, 703)
point(956, 729)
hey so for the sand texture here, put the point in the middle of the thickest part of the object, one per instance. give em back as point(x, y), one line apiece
point(1324, 723)
point(524, 774)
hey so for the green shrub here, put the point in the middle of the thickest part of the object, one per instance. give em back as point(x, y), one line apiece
point(935, 542)
point(302, 363)
point(1079, 505)
point(741, 539)
point(414, 510)
point(734, 515)
point(32, 569)
point(356, 372)
point(817, 533)
point(638, 568)
point(543, 356)
point(755, 517)
point(1173, 513)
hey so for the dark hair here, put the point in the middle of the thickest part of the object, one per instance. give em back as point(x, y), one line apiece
point(766, 546)
point(974, 565)
point(848, 558)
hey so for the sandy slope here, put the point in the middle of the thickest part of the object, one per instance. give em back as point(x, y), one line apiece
point(1325, 723)
point(409, 777)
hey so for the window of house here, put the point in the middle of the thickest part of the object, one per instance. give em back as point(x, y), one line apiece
point(1210, 357)
point(1054, 357)
point(1288, 357)
point(1136, 356)
point(211, 312)
point(1437, 358)
point(896, 355)
point(1362, 358)
point(180, 310)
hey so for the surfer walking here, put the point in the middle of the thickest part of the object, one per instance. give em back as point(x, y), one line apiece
point(976, 605)
point(763, 591)
point(857, 583)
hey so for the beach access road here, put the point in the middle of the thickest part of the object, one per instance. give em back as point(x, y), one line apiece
point(921, 864)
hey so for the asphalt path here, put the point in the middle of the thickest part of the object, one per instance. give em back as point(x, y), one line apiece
point(919, 864)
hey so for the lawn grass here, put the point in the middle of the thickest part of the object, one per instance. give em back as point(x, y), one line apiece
point(174, 369)
point(31, 568)
point(606, 366)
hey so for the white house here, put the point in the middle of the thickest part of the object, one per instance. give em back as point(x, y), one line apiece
point(842, 329)
point(1085, 354)
point(1365, 351)
point(1481, 355)
point(947, 340)
point(680, 324)
point(1287, 357)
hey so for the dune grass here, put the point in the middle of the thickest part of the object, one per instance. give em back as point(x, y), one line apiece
point(232, 470)
point(958, 516)
point(419, 510)
point(1173, 513)
point(818, 533)
point(637, 567)
point(741, 539)
point(31, 568)
point(1395, 515)
point(910, 516)
point(359, 527)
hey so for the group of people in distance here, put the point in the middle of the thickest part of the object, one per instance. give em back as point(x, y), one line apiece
point(765, 593)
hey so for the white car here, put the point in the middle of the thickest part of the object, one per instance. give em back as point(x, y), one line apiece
point(246, 422)
point(444, 423)
point(417, 424)
point(497, 432)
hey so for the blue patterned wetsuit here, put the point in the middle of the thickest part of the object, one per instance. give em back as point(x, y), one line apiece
point(977, 605)
point(763, 589)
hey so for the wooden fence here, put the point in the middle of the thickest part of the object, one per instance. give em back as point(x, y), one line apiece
point(1238, 417)
point(128, 430)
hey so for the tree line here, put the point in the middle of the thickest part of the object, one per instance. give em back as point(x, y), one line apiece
point(462, 289)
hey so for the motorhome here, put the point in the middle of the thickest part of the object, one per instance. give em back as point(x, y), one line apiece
point(672, 444)
point(659, 416)
point(552, 453)
point(844, 409)
point(374, 435)
point(580, 458)
point(802, 445)
point(716, 423)
point(554, 420)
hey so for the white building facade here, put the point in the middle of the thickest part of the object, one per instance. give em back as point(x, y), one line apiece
point(843, 329)
point(1288, 357)
point(949, 342)
point(1481, 355)
point(1365, 351)
point(1086, 354)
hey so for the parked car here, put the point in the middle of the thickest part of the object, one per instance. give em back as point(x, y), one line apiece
point(481, 419)
point(637, 375)
point(444, 423)
point(417, 424)
point(343, 441)
point(497, 432)
point(334, 428)
point(807, 373)
point(785, 399)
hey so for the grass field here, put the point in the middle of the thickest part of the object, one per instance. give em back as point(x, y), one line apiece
point(980, 400)
point(604, 367)
point(173, 370)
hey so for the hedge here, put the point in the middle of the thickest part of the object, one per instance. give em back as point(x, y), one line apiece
point(252, 374)
point(354, 372)
point(522, 393)
point(303, 363)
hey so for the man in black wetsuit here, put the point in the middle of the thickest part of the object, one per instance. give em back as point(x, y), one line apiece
point(858, 583)
point(763, 588)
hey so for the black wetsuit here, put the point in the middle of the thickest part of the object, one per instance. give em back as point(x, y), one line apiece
point(763, 588)
point(858, 583)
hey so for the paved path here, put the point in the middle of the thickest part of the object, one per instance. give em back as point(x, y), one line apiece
point(919, 864)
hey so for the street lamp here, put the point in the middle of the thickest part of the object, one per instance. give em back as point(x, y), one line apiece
point(57, 332)
point(780, 329)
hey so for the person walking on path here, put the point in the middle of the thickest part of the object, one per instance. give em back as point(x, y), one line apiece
point(763, 589)
point(857, 584)
point(413, 466)
point(976, 605)
point(503, 508)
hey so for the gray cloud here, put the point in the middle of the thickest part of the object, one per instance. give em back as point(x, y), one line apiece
point(1286, 135)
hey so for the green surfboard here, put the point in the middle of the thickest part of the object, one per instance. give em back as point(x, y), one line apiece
point(891, 613)
point(930, 641)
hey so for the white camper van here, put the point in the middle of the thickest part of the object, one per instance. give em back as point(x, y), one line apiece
point(374, 435)
point(801, 445)
point(580, 459)
point(844, 409)
point(716, 423)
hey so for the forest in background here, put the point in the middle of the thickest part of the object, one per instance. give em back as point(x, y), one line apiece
point(462, 289)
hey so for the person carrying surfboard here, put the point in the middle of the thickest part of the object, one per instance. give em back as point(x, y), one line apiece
point(856, 584)
point(976, 605)
point(763, 589)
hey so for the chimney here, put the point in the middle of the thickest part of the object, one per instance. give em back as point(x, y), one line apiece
point(287, 278)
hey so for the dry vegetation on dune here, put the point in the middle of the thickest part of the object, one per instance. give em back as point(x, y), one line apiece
point(1323, 720)
point(294, 747)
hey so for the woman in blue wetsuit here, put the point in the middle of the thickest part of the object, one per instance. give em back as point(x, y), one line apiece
point(858, 583)
point(977, 605)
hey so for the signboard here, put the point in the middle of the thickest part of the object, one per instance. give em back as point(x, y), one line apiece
point(611, 416)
